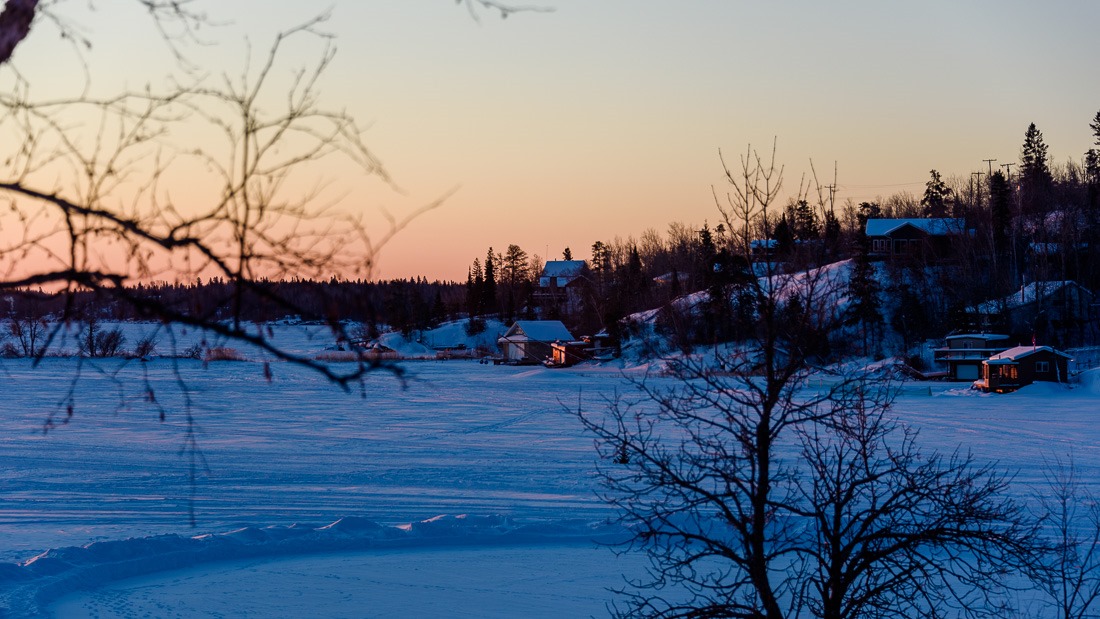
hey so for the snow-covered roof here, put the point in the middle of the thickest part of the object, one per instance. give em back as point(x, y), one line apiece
point(940, 226)
point(1028, 293)
point(1013, 355)
point(560, 272)
point(989, 337)
point(562, 268)
point(539, 330)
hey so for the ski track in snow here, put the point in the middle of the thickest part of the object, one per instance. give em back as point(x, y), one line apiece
point(280, 461)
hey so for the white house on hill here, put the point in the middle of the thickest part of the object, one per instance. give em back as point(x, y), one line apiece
point(532, 340)
point(559, 285)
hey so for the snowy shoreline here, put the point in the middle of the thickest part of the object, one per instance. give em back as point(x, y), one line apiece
point(28, 588)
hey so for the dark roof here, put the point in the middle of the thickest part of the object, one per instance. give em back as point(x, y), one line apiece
point(940, 226)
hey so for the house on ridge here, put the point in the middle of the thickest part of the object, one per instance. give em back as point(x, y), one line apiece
point(531, 341)
point(1047, 310)
point(915, 237)
point(560, 286)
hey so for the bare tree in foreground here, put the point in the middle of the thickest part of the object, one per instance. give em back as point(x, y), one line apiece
point(756, 494)
point(1069, 575)
point(223, 176)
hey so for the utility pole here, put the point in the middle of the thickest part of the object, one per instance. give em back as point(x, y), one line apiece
point(990, 162)
point(832, 188)
point(832, 192)
point(1008, 169)
point(978, 182)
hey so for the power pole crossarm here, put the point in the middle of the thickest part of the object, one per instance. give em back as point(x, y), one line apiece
point(990, 162)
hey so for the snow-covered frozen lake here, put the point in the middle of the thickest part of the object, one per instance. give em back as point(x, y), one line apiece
point(497, 449)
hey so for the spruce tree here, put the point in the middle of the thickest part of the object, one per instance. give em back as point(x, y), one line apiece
point(1036, 180)
point(784, 239)
point(1000, 207)
point(475, 285)
point(832, 233)
point(937, 197)
point(805, 222)
point(489, 287)
point(865, 309)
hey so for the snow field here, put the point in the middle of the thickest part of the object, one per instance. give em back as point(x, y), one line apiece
point(277, 462)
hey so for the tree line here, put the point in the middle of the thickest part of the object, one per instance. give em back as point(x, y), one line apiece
point(1026, 221)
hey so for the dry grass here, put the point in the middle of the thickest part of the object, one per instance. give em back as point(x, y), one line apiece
point(223, 353)
point(351, 356)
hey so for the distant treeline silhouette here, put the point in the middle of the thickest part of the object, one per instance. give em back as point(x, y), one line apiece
point(403, 304)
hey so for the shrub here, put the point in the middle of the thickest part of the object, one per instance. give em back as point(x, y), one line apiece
point(223, 353)
point(146, 347)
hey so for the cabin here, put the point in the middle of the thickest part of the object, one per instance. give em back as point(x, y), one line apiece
point(1020, 366)
point(918, 238)
point(964, 353)
point(531, 341)
point(560, 286)
point(1056, 310)
point(565, 354)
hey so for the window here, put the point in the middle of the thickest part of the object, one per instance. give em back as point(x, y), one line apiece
point(1042, 367)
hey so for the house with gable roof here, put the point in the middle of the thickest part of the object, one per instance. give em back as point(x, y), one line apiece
point(532, 341)
point(1047, 310)
point(927, 238)
point(560, 286)
point(1020, 366)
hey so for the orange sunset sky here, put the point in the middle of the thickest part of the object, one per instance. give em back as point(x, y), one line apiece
point(604, 117)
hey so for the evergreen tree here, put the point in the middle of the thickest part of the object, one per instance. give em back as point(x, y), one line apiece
point(911, 318)
point(867, 210)
point(566, 254)
point(707, 251)
point(489, 287)
point(863, 290)
point(1000, 212)
point(514, 266)
point(937, 197)
point(439, 308)
point(784, 238)
point(1092, 167)
point(832, 233)
point(805, 222)
point(1036, 181)
point(601, 267)
point(634, 281)
point(475, 286)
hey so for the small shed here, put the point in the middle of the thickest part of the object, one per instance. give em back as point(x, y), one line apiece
point(965, 353)
point(565, 354)
point(531, 341)
point(1021, 366)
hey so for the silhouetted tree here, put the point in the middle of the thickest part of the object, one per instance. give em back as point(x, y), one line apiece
point(937, 197)
point(1036, 180)
point(859, 522)
point(865, 309)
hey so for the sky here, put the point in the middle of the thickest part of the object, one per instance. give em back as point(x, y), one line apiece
point(602, 119)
